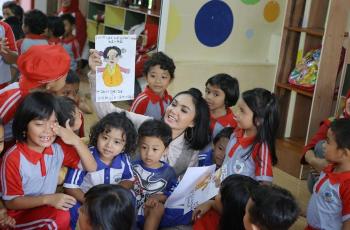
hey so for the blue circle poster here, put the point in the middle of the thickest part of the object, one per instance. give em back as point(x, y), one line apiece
point(214, 23)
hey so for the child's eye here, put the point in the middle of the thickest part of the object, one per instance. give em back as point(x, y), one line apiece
point(184, 111)
point(215, 94)
point(155, 150)
point(104, 138)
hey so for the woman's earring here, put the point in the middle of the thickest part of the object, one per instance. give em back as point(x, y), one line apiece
point(24, 134)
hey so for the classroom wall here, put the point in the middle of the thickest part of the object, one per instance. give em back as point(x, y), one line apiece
point(250, 52)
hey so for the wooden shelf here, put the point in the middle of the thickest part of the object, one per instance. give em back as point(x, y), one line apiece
point(290, 87)
point(317, 32)
point(154, 13)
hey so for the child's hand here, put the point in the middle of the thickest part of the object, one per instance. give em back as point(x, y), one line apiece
point(151, 202)
point(94, 59)
point(61, 201)
point(5, 220)
point(200, 210)
point(66, 134)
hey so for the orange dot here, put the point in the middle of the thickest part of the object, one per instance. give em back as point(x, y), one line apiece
point(271, 11)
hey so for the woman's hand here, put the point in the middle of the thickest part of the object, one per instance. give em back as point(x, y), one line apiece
point(94, 59)
point(200, 210)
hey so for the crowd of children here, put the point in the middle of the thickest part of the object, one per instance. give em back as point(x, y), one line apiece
point(135, 159)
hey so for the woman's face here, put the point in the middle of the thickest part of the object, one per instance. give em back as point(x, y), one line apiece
point(180, 113)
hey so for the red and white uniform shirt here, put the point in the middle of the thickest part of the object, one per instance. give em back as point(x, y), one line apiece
point(6, 32)
point(218, 124)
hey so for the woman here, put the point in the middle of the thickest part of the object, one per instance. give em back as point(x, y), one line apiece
point(187, 116)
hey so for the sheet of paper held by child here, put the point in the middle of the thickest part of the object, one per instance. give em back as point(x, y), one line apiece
point(115, 79)
point(198, 185)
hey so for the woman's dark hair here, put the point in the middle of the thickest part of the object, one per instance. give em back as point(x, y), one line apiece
point(273, 208)
point(66, 111)
point(156, 128)
point(235, 191)
point(109, 207)
point(16, 9)
point(228, 84)
point(16, 27)
point(264, 106)
point(225, 132)
point(117, 121)
point(55, 25)
point(161, 59)
point(36, 21)
point(105, 52)
point(341, 130)
point(68, 17)
point(197, 137)
point(36, 105)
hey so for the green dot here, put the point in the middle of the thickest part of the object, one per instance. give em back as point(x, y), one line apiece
point(250, 2)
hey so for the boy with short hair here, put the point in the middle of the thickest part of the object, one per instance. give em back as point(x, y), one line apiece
point(155, 179)
point(153, 101)
point(34, 26)
point(270, 208)
point(329, 205)
point(69, 41)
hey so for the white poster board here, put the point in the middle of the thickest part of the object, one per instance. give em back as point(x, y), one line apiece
point(115, 79)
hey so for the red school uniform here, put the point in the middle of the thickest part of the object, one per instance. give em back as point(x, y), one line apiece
point(25, 172)
point(150, 104)
point(227, 120)
point(30, 40)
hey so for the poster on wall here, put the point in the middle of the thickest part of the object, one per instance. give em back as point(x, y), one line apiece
point(115, 79)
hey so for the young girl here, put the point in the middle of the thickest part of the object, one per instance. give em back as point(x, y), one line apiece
point(251, 150)
point(228, 208)
point(112, 139)
point(107, 207)
point(30, 169)
point(221, 92)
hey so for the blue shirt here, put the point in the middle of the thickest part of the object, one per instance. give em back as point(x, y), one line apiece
point(119, 170)
point(206, 158)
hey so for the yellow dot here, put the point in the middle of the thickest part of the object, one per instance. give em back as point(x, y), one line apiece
point(271, 11)
point(174, 24)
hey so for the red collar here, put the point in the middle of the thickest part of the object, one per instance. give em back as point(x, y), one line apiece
point(154, 97)
point(334, 177)
point(31, 155)
point(68, 39)
point(224, 118)
point(35, 36)
point(54, 40)
point(243, 141)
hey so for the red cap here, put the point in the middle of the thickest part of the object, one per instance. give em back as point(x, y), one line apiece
point(41, 64)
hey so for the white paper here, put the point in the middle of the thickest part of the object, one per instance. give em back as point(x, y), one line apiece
point(115, 79)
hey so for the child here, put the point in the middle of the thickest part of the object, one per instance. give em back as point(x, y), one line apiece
point(112, 139)
point(155, 179)
point(43, 67)
point(8, 53)
point(270, 208)
point(329, 206)
point(228, 208)
point(107, 207)
point(251, 150)
point(216, 155)
point(69, 41)
point(55, 29)
point(34, 26)
point(221, 92)
point(153, 101)
point(69, 111)
point(30, 169)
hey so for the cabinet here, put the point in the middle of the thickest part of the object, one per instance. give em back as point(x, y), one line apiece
point(118, 18)
point(310, 24)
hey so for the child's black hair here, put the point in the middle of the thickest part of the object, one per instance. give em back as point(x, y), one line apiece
point(35, 21)
point(68, 17)
point(72, 77)
point(225, 132)
point(55, 25)
point(16, 9)
point(197, 137)
point(109, 207)
point(117, 49)
point(273, 208)
point(66, 111)
point(264, 106)
point(156, 128)
point(228, 84)
point(235, 191)
point(341, 131)
point(117, 121)
point(36, 105)
point(161, 59)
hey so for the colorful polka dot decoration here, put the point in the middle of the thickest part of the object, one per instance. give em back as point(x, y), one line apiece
point(271, 11)
point(214, 23)
point(250, 2)
point(249, 33)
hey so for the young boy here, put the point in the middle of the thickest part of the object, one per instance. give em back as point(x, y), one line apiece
point(153, 101)
point(55, 29)
point(221, 92)
point(34, 26)
point(70, 42)
point(329, 205)
point(155, 179)
point(270, 208)
point(216, 155)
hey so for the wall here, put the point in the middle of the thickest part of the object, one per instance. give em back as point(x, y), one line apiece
point(250, 52)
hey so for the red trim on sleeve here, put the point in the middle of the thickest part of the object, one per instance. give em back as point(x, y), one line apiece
point(139, 105)
point(71, 158)
point(344, 191)
point(262, 158)
point(9, 35)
